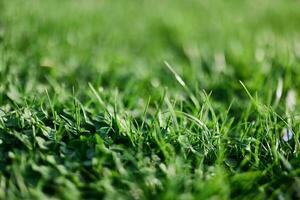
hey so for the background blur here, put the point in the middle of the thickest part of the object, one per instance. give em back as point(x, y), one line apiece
point(212, 44)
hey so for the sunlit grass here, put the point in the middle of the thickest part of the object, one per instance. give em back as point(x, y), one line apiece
point(149, 100)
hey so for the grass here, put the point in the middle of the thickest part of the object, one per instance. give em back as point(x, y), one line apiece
point(149, 99)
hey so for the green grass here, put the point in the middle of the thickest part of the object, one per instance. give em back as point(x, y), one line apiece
point(149, 99)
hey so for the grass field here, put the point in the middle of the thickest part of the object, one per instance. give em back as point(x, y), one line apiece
point(149, 99)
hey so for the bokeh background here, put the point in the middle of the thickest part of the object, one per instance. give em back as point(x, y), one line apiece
point(212, 44)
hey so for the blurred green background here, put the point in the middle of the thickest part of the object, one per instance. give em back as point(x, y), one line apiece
point(95, 40)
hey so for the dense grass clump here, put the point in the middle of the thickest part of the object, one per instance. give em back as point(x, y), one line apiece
point(149, 99)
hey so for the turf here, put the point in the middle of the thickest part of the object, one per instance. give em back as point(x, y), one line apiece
point(149, 99)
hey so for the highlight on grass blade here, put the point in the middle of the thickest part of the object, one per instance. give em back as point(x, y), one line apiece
point(254, 101)
point(178, 78)
point(291, 100)
point(101, 102)
point(279, 91)
point(183, 84)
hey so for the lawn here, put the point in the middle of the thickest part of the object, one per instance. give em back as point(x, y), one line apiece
point(149, 99)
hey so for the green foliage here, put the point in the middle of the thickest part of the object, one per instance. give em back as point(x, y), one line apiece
point(149, 99)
